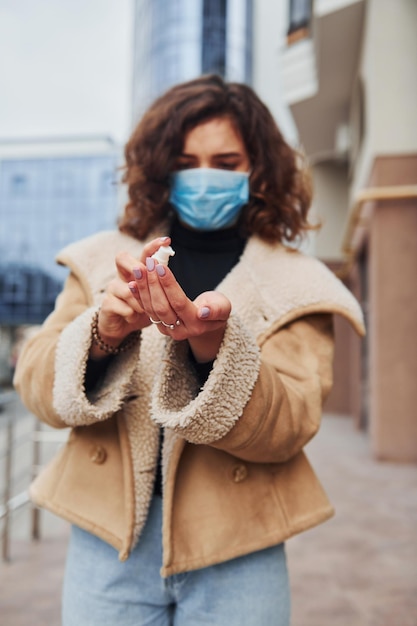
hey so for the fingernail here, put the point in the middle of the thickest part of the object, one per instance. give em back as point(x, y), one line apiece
point(133, 288)
point(160, 270)
point(150, 264)
point(164, 238)
point(205, 312)
point(137, 273)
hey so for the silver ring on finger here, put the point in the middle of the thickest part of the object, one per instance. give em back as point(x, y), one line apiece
point(172, 326)
point(155, 321)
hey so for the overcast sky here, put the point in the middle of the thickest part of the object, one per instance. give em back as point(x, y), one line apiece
point(65, 68)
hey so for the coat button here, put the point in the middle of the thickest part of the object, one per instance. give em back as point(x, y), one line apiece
point(239, 473)
point(98, 454)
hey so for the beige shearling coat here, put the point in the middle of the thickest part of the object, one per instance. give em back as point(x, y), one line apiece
point(235, 477)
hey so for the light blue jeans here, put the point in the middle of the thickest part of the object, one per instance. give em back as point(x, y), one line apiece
point(99, 590)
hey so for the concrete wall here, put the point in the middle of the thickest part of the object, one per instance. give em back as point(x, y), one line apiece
point(388, 74)
point(269, 32)
point(393, 332)
point(330, 206)
point(392, 260)
point(388, 157)
point(391, 75)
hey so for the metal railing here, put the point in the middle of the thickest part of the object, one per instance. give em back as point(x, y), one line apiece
point(12, 499)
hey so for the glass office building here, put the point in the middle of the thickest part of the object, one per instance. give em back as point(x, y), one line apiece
point(177, 40)
point(46, 203)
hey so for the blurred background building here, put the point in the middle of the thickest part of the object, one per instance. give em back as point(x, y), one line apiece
point(176, 40)
point(339, 77)
point(52, 192)
point(350, 80)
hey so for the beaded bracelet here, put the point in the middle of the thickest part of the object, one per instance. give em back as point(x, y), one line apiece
point(126, 344)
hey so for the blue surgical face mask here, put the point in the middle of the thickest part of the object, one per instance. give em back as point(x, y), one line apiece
point(207, 198)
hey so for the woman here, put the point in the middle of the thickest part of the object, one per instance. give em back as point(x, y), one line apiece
point(191, 389)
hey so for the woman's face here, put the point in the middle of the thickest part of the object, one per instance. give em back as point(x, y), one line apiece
point(214, 144)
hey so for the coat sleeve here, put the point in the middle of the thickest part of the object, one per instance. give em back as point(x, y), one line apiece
point(51, 368)
point(259, 405)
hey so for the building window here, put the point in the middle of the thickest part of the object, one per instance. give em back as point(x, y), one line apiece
point(213, 58)
point(299, 21)
point(45, 204)
point(27, 294)
point(18, 184)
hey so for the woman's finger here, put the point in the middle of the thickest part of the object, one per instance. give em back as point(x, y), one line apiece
point(213, 305)
point(152, 295)
point(152, 246)
point(121, 310)
point(126, 292)
point(168, 298)
point(125, 263)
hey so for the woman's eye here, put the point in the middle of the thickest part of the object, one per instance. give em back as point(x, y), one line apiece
point(227, 166)
point(183, 166)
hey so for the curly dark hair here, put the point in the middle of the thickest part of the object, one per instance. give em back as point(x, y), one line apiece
point(280, 184)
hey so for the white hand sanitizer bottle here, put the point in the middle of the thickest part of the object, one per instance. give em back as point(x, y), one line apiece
point(162, 255)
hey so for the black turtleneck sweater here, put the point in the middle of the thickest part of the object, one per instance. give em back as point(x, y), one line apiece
point(203, 258)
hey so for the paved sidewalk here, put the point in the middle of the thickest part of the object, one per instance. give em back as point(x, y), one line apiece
point(358, 569)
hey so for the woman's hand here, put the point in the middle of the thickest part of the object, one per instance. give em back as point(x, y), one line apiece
point(201, 322)
point(121, 312)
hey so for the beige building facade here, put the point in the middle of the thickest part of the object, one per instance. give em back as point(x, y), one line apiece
point(349, 78)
